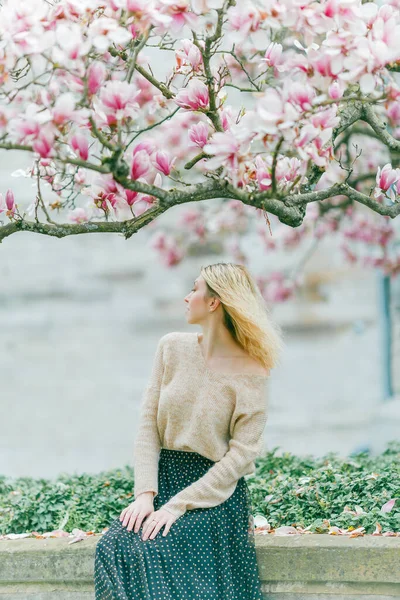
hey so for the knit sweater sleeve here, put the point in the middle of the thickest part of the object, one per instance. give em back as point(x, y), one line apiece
point(219, 482)
point(147, 443)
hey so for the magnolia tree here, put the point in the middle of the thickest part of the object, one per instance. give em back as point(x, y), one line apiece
point(286, 111)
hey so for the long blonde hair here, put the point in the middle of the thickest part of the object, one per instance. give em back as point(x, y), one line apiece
point(246, 314)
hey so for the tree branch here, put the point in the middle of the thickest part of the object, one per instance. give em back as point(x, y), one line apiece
point(343, 189)
point(196, 159)
point(138, 48)
point(127, 228)
point(348, 115)
point(166, 92)
point(103, 140)
point(368, 115)
point(289, 209)
point(137, 133)
point(207, 54)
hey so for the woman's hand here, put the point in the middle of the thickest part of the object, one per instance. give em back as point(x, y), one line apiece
point(137, 510)
point(155, 521)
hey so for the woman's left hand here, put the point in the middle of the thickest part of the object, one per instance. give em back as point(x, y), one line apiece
point(154, 522)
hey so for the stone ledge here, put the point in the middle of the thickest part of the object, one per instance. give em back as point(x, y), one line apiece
point(294, 567)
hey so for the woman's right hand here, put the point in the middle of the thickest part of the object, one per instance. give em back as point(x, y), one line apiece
point(137, 510)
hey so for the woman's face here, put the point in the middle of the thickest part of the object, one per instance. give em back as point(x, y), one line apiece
point(196, 308)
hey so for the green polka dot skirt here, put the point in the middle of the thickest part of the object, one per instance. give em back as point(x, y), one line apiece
point(208, 553)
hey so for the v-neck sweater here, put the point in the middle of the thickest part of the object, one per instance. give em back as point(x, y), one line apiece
point(188, 406)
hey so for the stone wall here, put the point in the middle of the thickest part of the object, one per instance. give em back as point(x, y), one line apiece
point(294, 567)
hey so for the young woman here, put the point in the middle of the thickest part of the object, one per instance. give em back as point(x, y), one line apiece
point(189, 533)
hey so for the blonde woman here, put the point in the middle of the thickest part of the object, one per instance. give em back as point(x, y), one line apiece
point(189, 534)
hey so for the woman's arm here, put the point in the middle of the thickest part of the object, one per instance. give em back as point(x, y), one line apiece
point(219, 482)
point(147, 443)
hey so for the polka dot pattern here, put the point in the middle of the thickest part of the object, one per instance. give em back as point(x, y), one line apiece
point(208, 553)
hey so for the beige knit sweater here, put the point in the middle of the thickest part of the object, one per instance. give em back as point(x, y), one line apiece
point(188, 406)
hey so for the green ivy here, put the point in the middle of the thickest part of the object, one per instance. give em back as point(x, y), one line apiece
point(308, 491)
point(292, 490)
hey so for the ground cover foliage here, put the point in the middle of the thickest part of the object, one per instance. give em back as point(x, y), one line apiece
point(316, 493)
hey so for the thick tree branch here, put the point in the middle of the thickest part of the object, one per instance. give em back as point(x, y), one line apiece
point(349, 114)
point(127, 228)
point(369, 116)
point(343, 189)
point(355, 131)
point(289, 209)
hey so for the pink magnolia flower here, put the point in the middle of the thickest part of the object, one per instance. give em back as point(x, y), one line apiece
point(273, 55)
point(163, 163)
point(71, 41)
point(225, 147)
point(140, 164)
point(10, 203)
point(386, 177)
point(227, 117)
point(105, 201)
point(204, 6)
point(243, 18)
point(118, 99)
point(194, 96)
point(96, 76)
point(335, 90)
point(311, 144)
point(262, 173)
point(327, 65)
point(147, 145)
point(80, 144)
point(29, 121)
point(25, 127)
point(80, 177)
point(7, 205)
point(288, 170)
point(273, 113)
point(147, 14)
point(180, 13)
point(64, 109)
point(192, 218)
point(198, 134)
point(159, 240)
point(302, 95)
point(104, 31)
point(44, 144)
point(277, 288)
point(78, 215)
point(393, 112)
point(326, 118)
point(189, 53)
point(131, 197)
point(146, 96)
point(330, 8)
